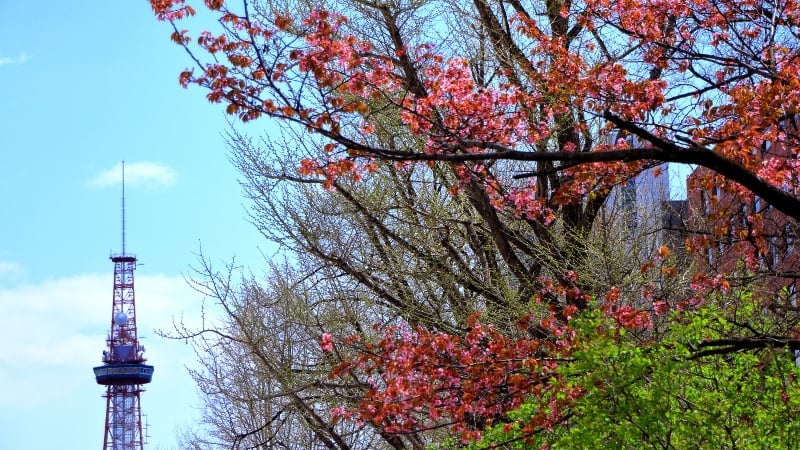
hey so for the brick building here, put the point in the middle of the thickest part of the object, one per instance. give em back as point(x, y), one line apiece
point(743, 236)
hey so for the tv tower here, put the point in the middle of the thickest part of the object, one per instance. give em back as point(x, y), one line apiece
point(123, 370)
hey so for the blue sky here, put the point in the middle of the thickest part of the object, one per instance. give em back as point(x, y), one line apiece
point(83, 86)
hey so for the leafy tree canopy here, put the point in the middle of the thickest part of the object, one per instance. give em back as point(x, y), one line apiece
point(471, 149)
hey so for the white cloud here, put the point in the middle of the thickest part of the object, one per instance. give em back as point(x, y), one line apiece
point(144, 173)
point(10, 271)
point(54, 332)
point(9, 61)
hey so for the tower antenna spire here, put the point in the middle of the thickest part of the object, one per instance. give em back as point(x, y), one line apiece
point(123, 208)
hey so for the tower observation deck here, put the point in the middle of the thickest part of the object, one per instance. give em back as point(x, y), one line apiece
point(124, 370)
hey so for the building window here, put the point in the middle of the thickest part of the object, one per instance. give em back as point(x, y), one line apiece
point(628, 199)
point(773, 249)
point(759, 204)
point(743, 212)
point(706, 203)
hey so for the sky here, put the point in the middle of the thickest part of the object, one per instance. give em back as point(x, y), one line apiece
point(83, 86)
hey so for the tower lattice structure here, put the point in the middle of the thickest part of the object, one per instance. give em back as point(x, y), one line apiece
point(124, 370)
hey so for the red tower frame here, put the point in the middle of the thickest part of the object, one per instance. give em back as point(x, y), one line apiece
point(123, 370)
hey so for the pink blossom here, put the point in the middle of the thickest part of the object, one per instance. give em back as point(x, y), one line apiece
point(327, 342)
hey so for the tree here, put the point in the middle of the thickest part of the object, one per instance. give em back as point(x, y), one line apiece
point(664, 394)
point(682, 78)
point(263, 376)
point(396, 248)
point(488, 112)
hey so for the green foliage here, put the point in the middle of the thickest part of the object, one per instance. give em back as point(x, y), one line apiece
point(653, 394)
